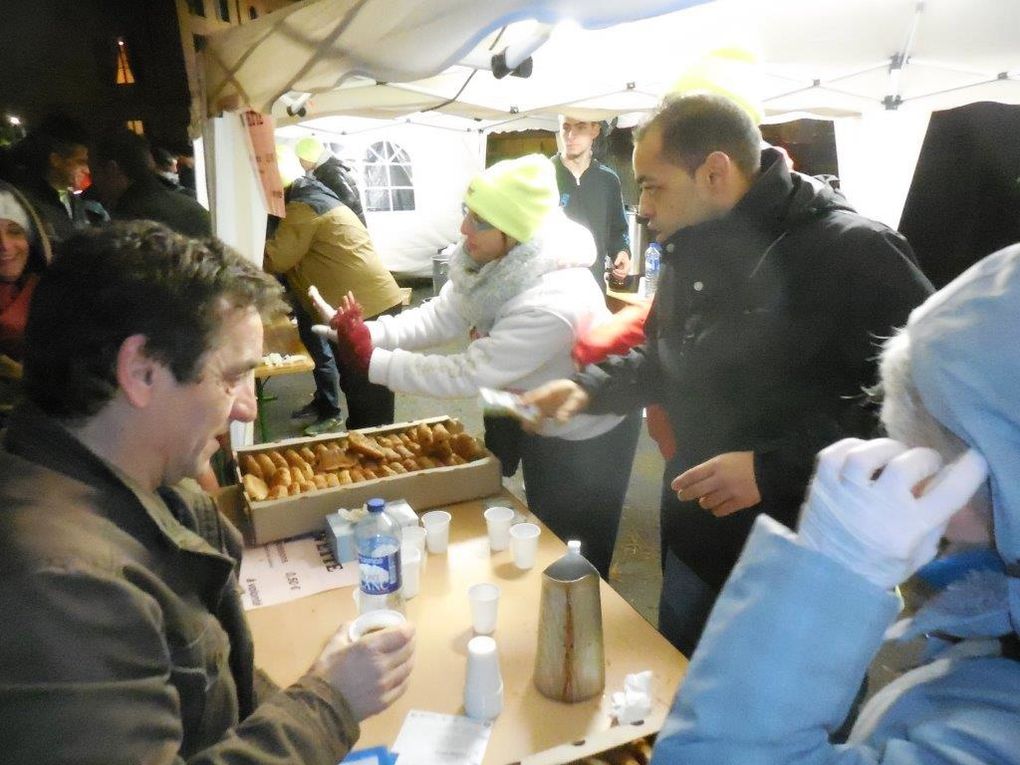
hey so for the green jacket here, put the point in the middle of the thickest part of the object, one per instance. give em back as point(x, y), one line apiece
point(123, 638)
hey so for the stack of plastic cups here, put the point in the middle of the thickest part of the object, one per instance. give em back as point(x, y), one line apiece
point(483, 689)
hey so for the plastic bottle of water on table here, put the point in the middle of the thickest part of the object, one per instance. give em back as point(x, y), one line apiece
point(378, 539)
point(652, 258)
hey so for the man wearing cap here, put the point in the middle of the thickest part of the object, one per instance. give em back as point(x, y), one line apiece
point(760, 341)
point(590, 194)
point(319, 162)
point(321, 242)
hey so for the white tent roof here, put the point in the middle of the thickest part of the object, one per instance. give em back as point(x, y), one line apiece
point(399, 58)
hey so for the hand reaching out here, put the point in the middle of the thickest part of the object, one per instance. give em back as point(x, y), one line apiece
point(347, 330)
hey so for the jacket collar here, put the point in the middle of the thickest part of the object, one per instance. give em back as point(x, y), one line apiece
point(40, 439)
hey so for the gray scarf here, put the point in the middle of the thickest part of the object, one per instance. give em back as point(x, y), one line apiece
point(484, 290)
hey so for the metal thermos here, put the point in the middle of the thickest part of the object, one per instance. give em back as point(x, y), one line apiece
point(570, 661)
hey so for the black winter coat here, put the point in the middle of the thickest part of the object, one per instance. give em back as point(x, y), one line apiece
point(764, 333)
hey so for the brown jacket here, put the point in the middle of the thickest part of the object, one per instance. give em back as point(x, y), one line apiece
point(123, 638)
point(333, 251)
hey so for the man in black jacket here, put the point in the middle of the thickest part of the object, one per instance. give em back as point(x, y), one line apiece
point(590, 194)
point(124, 175)
point(772, 298)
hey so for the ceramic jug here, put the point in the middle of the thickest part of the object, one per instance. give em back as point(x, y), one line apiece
point(569, 661)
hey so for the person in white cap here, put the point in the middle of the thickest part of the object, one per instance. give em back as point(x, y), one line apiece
point(521, 289)
point(804, 613)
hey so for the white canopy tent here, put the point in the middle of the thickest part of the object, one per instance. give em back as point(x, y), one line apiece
point(877, 67)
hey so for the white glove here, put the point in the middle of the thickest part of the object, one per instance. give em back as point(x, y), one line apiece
point(880, 526)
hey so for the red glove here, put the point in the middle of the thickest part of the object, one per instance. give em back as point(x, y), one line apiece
point(353, 340)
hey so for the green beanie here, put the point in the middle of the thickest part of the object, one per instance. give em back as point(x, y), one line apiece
point(515, 195)
point(309, 149)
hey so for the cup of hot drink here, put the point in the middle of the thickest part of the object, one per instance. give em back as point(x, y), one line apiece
point(374, 621)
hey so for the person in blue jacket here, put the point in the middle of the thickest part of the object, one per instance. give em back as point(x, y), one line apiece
point(804, 613)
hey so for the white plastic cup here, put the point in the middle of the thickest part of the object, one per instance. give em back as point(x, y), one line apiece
point(410, 570)
point(484, 599)
point(497, 521)
point(437, 530)
point(372, 621)
point(415, 536)
point(524, 544)
point(483, 688)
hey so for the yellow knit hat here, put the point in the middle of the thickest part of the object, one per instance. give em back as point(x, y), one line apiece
point(730, 72)
point(515, 195)
point(287, 162)
point(309, 149)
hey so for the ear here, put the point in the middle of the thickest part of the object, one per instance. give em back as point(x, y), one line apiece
point(136, 372)
point(717, 174)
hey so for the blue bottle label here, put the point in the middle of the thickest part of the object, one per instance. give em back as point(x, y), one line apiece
point(380, 575)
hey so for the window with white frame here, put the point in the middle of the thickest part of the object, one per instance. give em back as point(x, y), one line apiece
point(388, 181)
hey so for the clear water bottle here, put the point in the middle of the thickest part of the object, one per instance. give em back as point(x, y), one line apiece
point(378, 539)
point(652, 257)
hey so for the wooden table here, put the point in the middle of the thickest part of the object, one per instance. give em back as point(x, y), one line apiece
point(617, 300)
point(289, 636)
point(280, 336)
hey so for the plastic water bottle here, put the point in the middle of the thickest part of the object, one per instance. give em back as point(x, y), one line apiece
point(652, 257)
point(378, 539)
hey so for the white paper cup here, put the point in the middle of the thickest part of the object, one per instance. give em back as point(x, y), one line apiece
point(484, 599)
point(410, 569)
point(497, 521)
point(415, 535)
point(437, 530)
point(524, 544)
point(372, 621)
point(483, 688)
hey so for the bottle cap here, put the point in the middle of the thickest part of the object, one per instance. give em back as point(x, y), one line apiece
point(574, 547)
point(375, 505)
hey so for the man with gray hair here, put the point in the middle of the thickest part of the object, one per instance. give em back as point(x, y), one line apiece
point(803, 614)
point(124, 638)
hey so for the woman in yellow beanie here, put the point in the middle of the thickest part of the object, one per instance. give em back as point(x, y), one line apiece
point(520, 287)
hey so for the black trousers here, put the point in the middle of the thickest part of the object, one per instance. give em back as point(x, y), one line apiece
point(577, 488)
point(368, 404)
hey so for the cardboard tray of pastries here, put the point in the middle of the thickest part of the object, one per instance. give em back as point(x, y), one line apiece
point(290, 486)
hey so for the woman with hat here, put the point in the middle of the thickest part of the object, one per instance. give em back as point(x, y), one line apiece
point(24, 254)
point(520, 287)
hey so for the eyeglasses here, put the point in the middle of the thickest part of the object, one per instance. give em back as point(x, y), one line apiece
point(474, 221)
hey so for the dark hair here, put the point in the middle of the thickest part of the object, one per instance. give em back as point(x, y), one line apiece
point(56, 133)
point(162, 157)
point(108, 284)
point(692, 127)
point(129, 150)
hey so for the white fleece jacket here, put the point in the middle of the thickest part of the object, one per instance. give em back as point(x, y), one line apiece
point(529, 343)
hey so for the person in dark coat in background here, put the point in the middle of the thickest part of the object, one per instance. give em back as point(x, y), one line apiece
point(319, 162)
point(49, 165)
point(125, 179)
point(762, 336)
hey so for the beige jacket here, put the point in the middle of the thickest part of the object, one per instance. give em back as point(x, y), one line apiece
point(334, 252)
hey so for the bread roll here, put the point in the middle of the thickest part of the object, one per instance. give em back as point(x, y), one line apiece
point(277, 458)
point(250, 466)
point(267, 465)
point(255, 487)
